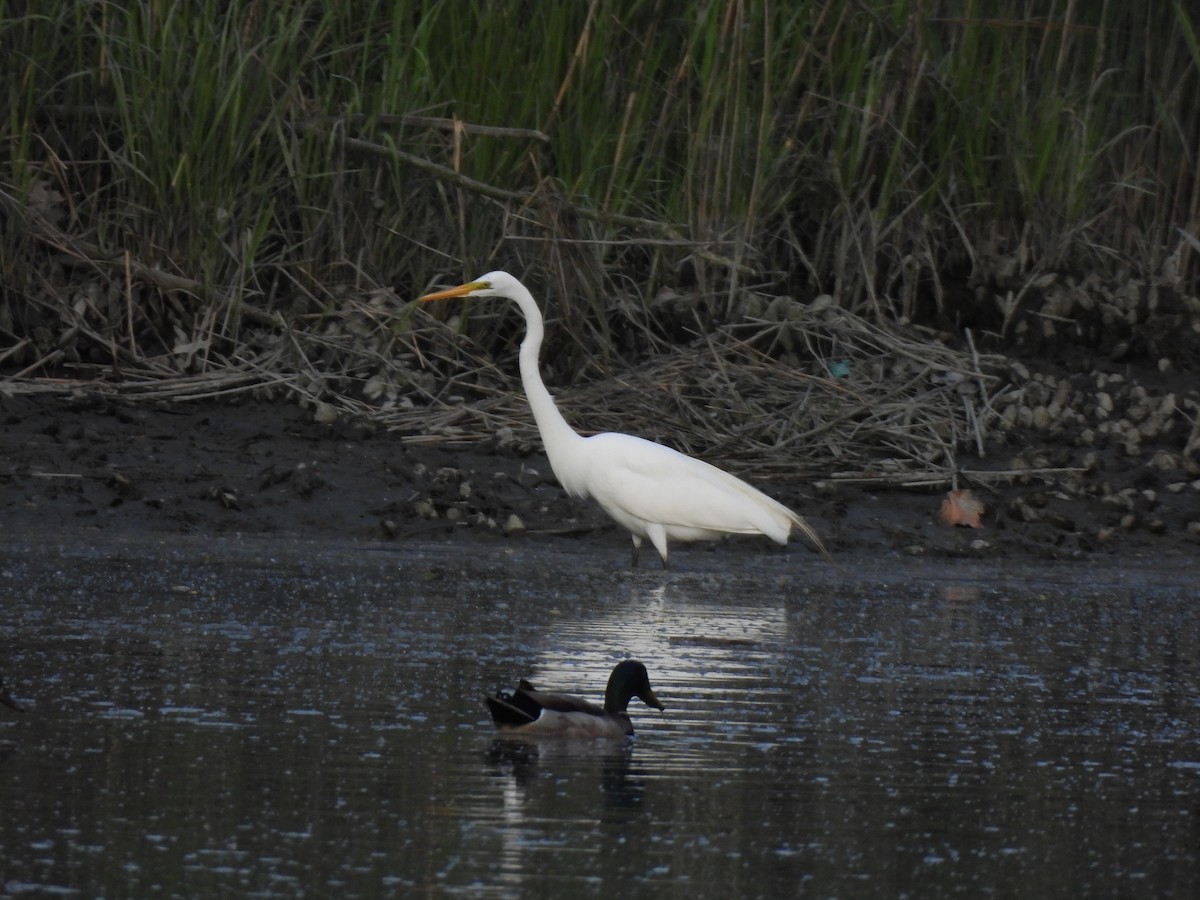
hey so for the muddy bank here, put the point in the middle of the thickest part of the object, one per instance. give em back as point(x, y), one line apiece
point(87, 463)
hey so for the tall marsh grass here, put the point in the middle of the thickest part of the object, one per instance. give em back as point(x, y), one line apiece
point(175, 176)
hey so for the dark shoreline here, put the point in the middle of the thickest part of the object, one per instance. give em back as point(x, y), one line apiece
point(73, 464)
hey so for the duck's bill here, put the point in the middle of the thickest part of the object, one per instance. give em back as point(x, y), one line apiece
point(651, 700)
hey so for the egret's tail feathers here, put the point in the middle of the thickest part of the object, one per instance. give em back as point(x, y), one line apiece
point(807, 530)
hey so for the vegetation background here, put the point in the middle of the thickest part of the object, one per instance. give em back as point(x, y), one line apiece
point(251, 191)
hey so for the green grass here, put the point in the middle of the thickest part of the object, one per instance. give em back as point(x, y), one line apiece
point(880, 152)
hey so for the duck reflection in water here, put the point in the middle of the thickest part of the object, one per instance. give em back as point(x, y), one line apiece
point(530, 758)
point(7, 699)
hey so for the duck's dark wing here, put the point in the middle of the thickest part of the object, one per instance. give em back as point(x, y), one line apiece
point(561, 702)
point(512, 709)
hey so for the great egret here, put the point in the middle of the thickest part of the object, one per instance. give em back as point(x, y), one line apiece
point(529, 711)
point(653, 491)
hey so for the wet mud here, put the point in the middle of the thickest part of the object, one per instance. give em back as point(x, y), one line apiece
point(91, 463)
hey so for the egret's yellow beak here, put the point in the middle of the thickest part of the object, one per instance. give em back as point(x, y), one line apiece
point(461, 291)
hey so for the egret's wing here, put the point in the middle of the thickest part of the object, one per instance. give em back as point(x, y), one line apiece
point(653, 483)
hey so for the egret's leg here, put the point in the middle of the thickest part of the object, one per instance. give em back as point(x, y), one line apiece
point(637, 548)
point(658, 537)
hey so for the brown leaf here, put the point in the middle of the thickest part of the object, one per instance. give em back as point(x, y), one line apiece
point(962, 508)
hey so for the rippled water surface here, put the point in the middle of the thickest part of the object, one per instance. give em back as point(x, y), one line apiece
point(244, 718)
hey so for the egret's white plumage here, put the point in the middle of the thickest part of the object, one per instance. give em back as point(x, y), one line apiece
point(655, 492)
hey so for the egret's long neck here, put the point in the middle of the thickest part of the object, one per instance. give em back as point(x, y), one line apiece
point(557, 435)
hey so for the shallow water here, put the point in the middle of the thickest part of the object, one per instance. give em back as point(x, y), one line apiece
point(263, 718)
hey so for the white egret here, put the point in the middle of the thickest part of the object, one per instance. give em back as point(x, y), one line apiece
point(526, 710)
point(653, 491)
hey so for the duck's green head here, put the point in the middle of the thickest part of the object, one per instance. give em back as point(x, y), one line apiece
point(628, 680)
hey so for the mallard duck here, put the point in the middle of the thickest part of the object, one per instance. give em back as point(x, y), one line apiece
point(8, 700)
point(526, 710)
